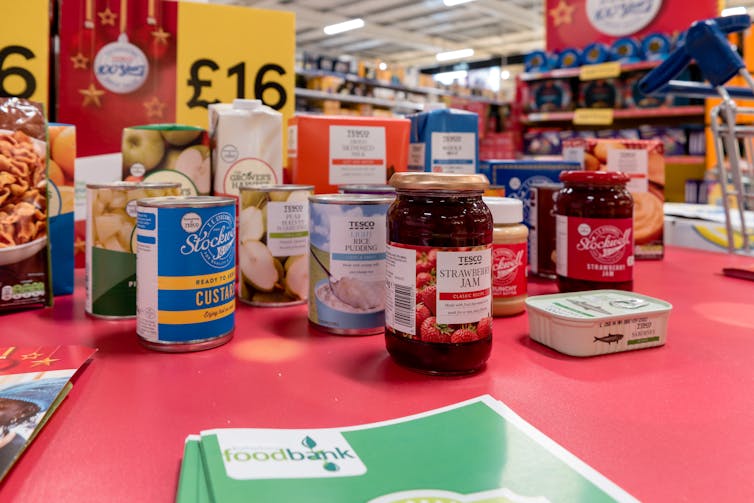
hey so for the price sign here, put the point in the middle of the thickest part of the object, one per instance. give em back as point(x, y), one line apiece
point(593, 116)
point(24, 51)
point(600, 71)
point(233, 52)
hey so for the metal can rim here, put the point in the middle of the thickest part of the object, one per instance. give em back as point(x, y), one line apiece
point(275, 188)
point(133, 185)
point(186, 201)
point(350, 199)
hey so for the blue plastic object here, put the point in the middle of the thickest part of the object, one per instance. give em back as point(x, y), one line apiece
point(705, 43)
point(594, 53)
point(569, 58)
point(656, 46)
point(536, 61)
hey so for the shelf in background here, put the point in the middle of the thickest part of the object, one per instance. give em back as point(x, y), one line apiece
point(363, 100)
point(427, 91)
point(635, 113)
point(575, 72)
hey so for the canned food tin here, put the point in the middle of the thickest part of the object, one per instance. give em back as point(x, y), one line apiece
point(347, 264)
point(273, 235)
point(186, 272)
point(376, 189)
point(111, 245)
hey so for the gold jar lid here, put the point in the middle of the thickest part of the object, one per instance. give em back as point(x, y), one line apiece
point(439, 181)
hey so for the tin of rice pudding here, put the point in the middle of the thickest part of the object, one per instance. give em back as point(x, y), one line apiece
point(186, 272)
point(111, 245)
point(347, 263)
point(273, 236)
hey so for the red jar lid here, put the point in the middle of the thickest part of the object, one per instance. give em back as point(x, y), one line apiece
point(594, 177)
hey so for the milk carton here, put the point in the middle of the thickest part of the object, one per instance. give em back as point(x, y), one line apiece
point(247, 145)
point(444, 141)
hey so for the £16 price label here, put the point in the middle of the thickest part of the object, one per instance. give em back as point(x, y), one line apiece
point(25, 51)
point(16, 80)
point(267, 86)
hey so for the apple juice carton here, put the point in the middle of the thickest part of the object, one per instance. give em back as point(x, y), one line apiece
point(60, 206)
point(444, 140)
point(247, 146)
point(328, 151)
point(644, 162)
point(168, 153)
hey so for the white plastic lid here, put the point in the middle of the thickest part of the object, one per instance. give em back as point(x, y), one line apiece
point(505, 210)
point(246, 104)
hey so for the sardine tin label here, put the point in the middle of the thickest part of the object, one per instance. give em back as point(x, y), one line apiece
point(186, 272)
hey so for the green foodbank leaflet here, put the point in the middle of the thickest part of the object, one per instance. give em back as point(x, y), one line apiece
point(476, 451)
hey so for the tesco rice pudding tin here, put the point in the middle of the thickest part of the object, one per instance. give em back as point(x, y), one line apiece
point(111, 245)
point(347, 263)
point(186, 272)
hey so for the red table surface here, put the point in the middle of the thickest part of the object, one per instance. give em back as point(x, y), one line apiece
point(674, 423)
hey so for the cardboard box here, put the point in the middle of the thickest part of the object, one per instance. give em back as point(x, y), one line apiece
point(61, 197)
point(327, 151)
point(444, 141)
point(644, 162)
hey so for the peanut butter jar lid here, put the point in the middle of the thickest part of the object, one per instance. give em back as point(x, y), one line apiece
point(505, 210)
point(439, 181)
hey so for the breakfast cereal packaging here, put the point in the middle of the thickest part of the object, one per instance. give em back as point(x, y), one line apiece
point(60, 193)
point(644, 162)
point(24, 255)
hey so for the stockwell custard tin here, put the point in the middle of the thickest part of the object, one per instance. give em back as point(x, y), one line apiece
point(186, 272)
point(597, 322)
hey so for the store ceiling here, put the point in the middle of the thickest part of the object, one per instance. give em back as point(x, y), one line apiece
point(412, 32)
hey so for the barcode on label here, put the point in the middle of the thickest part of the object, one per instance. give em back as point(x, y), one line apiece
point(404, 309)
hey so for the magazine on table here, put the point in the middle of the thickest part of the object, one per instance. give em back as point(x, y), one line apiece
point(34, 380)
point(475, 451)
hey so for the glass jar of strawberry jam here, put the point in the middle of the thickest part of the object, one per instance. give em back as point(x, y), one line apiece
point(594, 232)
point(438, 306)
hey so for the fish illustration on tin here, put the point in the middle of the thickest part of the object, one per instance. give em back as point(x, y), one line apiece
point(609, 338)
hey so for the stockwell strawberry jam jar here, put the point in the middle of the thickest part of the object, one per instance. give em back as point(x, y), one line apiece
point(594, 237)
point(438, 306)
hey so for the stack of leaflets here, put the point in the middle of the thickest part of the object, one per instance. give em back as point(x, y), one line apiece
point(473, 451)
point(33, 382)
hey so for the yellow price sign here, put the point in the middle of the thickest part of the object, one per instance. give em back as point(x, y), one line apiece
point(231, 52)
point(600, 71)
point(25, 51)
point(593, 116)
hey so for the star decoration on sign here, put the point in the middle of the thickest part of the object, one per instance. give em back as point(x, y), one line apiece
point(107, 17)
point(79, 245)
point(562, 13)
point(45, 361)
point(161, 36)
point(31, 356)
point(80, 61)
point(92, 96)
point(155, 107)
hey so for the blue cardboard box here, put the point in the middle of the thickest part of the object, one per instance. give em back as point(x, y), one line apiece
point(444, 141)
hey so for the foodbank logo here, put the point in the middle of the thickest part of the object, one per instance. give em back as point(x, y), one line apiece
point(320, 454)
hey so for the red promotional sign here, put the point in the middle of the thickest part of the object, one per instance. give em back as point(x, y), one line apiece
point(577, 23)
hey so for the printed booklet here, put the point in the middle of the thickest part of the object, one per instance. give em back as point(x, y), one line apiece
point(475, 451)
point(33, 382)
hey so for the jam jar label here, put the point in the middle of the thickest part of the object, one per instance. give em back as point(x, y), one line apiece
point(595, 249)
point(439, 294)
point(508, 270)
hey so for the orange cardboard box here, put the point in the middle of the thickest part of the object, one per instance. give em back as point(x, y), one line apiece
point(327, 151)
point(644, 162)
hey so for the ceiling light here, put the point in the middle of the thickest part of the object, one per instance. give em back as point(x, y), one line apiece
point(505, 74)
point(462, 53)
point(451, 3)
point(383, 66)
point(732, 11)
point(351, 24)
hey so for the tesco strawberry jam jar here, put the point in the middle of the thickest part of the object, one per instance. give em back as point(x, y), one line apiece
point(594, 232)
point(438, 306)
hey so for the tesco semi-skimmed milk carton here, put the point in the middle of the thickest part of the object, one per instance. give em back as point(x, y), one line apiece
point(246, 139)
point(328, 151)
point(444, 140)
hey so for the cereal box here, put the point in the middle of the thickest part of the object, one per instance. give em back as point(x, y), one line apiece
point(24, 253)
point(327, 151)
point(60, 190)
point(644, 162)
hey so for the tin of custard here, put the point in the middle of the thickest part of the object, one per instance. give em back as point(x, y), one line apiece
point(597, 322)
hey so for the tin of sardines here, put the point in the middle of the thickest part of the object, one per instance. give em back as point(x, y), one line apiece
point(597, 322)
